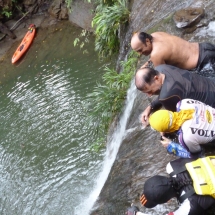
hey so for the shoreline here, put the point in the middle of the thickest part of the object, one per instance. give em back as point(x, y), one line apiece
point(40, 20)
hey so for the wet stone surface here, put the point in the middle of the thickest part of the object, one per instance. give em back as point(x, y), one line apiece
point(140, 154)
point(188, 17)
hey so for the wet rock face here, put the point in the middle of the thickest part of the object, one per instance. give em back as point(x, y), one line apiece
point(82, 14)
point(28, 3)
point(188, 17)
point(31, 5)
point(58, 10)
point(5, 30)
point(141, 155)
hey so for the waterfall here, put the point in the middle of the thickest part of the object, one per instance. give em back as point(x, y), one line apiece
point(110, 156)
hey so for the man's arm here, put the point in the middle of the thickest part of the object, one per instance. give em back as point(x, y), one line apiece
point(146, 64)
point(145, 116)
point(170, 102)
point(153, 62)
point(157, 59)
point(154, 106)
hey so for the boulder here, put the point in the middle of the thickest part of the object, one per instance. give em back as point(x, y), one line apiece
point(188, 17)
point(31, 5)
point(58, 10)
point(5, 30)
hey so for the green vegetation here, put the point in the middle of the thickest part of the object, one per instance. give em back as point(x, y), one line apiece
point(82, 39)
point(109, 15)
point(104, 2)
point(6, 12)
point(98, 145)
point(9, 8)
point(107, 99)
point(107, 22)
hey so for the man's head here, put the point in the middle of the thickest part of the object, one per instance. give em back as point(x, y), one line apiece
point(157, 190)
point(149, 81)
point(141, 42)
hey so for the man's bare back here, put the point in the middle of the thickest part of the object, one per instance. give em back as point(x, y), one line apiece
point(164, 48)
point(173, 50)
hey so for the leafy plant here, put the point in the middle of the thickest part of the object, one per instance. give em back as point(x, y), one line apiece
point(6, 12)
point(98, 145)
point(131, 63)
point(107, 22)
point(11, 7)
point(110, 14)
point(84, 34)
point(107, 99)
point(101, 4)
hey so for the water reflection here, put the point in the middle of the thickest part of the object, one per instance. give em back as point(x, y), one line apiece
point(46, 166)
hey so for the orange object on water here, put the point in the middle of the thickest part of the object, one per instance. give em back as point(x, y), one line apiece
point(26, 42)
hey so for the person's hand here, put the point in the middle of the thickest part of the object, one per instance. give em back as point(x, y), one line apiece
point(178, 150)
point(165, 141)
point(145, 116)
point(162, 134)
point(149, 63)
point(144, 65)
point(132, 210)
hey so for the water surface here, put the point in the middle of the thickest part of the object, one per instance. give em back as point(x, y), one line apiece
point(46, 165)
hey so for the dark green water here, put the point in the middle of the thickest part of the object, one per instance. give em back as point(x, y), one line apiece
point(46, 166)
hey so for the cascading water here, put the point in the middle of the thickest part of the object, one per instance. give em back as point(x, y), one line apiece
point(111, 152)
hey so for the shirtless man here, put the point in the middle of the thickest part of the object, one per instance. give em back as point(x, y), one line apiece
point(164, 48)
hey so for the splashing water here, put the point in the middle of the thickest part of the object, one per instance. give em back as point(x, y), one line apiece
point(111, 152)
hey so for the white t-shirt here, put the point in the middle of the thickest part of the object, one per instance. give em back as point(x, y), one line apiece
point(201, 128)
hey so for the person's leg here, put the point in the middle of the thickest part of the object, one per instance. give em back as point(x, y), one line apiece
point(206, 62)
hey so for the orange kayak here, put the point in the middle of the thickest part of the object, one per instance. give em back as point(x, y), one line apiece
point(26, 42)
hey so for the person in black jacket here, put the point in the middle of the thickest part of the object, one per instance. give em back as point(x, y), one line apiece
point(172, 84)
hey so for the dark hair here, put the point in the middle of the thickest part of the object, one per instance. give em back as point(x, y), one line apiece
point(143, 36)
point(148, 77)
point(145, 77)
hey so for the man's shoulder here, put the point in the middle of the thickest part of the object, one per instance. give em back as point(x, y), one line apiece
point(174, 72)
point(160, 33)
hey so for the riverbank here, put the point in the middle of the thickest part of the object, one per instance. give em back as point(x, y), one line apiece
point(40, 20)
point(46, 163)
point(49, 14)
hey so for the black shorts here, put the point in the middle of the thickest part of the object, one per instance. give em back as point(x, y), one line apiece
point(206, 61)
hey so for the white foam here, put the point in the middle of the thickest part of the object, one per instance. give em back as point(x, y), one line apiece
point(110, 156)
point(207, 31)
